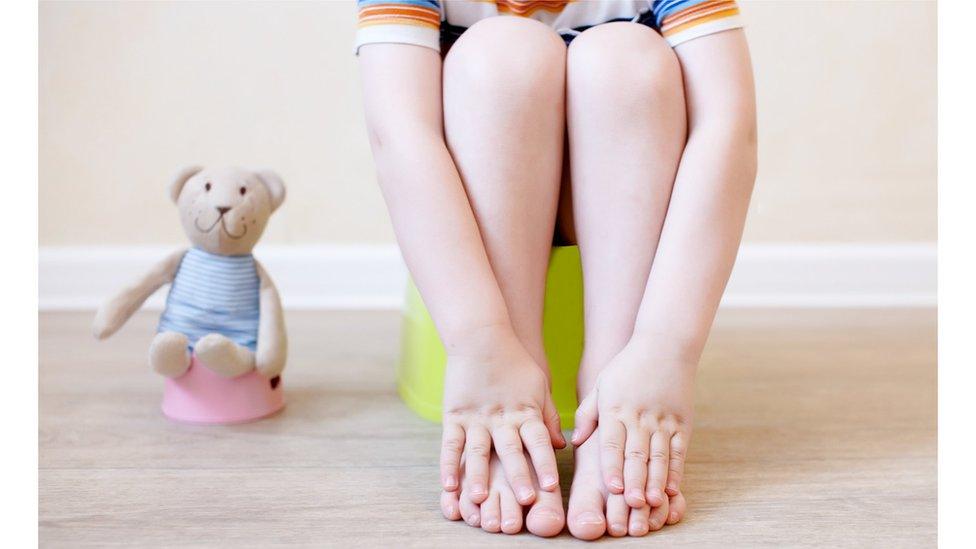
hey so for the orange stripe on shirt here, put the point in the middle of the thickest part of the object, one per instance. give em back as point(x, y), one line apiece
point(699, 9)
point(526, 8)
point(392, 14)
point(722, 14)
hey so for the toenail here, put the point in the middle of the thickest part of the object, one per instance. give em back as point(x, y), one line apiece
point(450, 481)
point(473, 519)
point(549, 480)
point(637, 494)
point(674, 516)
point(618, 529)
point(525, 494)
point(545, 513)
point(589, 518)
point(477, 489)
point(491, 523)
point(616, 483)
point(509, 523)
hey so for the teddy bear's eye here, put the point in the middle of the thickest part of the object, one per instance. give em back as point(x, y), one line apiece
point(243, 190)
point(207, 186)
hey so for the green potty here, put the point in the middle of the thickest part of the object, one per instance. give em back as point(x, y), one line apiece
point(420, 372)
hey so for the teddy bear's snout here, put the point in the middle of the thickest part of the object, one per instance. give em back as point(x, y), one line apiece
point(222, 209)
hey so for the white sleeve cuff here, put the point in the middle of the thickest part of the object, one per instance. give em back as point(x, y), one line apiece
point(704, 29)
point(399, 34)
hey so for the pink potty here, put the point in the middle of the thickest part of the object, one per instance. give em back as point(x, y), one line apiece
point(204, 396)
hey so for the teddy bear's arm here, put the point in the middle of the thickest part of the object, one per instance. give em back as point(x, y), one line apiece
point(114, 313)
point(272, 348)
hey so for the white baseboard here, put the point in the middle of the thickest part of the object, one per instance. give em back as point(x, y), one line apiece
point(373, 277)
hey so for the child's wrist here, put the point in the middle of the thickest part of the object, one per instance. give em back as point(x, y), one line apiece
point(479, 340)
point(666, 348)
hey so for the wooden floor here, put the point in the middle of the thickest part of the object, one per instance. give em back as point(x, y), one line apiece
point(813, 428)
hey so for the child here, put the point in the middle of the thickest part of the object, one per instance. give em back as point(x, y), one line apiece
point(638, 142)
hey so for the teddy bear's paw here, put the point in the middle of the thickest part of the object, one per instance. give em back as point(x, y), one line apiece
point(223, 355)
point(168, 354)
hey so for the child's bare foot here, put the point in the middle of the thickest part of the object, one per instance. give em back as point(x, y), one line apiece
point(501, 511)
point(593, 510)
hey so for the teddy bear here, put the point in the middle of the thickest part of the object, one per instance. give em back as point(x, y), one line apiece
point(221, 340)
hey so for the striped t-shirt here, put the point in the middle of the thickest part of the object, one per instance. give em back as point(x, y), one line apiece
point(214, 294)
point(420, 22)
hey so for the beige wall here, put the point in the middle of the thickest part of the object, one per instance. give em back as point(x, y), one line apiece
point(131, 91)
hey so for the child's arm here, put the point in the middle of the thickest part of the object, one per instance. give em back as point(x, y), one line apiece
point(117, 311)
point(431, 215)
point(272, 348)
point(694, 258)
point(488, 368)
point(711, 195)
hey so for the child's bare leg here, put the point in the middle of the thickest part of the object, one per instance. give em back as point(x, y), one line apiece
point(694, 257)
point(504, 125)
point(626, 119)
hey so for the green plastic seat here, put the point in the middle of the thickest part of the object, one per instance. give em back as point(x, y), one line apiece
point(420, 372)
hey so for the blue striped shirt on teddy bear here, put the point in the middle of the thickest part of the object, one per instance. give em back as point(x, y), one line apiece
point(214, 293)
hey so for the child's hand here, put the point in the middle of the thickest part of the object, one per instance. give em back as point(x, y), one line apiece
point(644, 408)
point(497, 396)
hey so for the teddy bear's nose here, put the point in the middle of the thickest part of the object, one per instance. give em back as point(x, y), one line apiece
point(223, 209)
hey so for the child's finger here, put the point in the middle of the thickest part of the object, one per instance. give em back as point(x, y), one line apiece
point(477, 451)
point(537, 441)
point(657, 470)
point(612, 438)
point(635, 466)
point(586, 418)
point(452, 444)
point(551, 417)
point(508, 447)
point(676, 465)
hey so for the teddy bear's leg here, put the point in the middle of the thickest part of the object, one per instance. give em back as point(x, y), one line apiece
point(223, 355)
point(168, 354)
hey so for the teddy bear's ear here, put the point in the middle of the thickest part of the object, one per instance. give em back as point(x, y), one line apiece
point(180, 179)
point(275, 186)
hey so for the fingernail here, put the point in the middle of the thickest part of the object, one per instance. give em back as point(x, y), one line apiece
point(575, 436)
point(525, 494)
point(549, 481)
